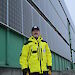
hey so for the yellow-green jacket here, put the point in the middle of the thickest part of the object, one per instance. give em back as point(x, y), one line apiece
point(36, 55)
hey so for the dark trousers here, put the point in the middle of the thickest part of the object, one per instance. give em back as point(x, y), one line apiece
point(36, 73)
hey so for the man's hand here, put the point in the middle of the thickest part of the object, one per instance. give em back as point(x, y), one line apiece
point(27, 73)
point(49, 72)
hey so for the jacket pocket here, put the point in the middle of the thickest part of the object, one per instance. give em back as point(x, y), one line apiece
point(34, 51)
point(34, 64)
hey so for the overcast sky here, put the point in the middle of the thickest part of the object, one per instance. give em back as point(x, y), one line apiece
point(71, 7)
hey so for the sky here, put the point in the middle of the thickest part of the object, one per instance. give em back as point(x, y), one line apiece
point(71, 7)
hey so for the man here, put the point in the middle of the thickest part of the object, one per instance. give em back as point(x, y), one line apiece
point(36, 57)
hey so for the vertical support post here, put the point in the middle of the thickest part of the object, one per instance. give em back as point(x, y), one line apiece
point(22, 13)
point(70, 43)
point(6, 62)
point(7, 12)
point(7, 45)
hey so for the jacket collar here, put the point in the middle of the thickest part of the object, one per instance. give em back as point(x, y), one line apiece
point(34, 40)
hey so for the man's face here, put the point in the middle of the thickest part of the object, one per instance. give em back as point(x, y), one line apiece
point(36, 33)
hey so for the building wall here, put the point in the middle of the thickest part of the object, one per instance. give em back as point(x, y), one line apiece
point(3, 11)
point(72, 28)
point(16, 21)
point(73, 43)
point(10, 48)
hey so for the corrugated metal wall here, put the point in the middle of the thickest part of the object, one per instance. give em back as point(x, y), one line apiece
point(15, 14)
point(27, 18)
point(3, 11)
point(73, 42)
point(51, 9)
point(72, 28)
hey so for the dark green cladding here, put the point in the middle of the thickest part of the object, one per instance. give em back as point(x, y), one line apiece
point(10, 48)
point(60, 63)
point(2, 46)
point(15, 43)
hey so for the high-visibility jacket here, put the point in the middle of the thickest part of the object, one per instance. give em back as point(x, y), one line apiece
point(36, 55)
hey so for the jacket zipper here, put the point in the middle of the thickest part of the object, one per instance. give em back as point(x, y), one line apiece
point(40, 59)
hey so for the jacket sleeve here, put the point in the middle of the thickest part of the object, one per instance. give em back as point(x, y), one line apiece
point(48, 55)
point(24, 56)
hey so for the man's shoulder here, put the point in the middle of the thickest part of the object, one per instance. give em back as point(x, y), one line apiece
point(44, 41)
